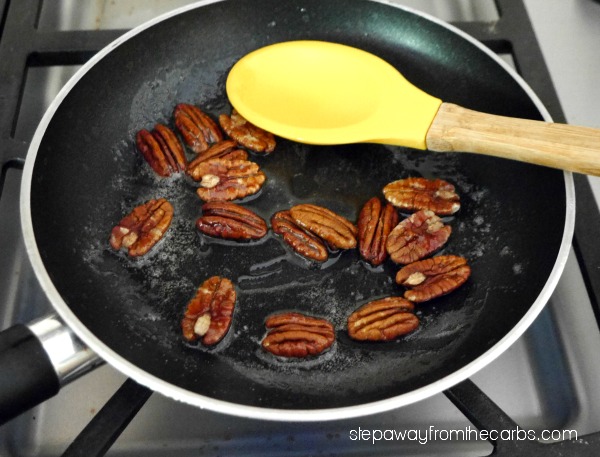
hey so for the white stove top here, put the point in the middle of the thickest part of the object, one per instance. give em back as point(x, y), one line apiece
point(544, 381)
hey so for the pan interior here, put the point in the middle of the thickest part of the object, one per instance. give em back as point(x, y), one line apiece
point(88, 174)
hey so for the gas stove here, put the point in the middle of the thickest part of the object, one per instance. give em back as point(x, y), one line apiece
point(546, 382)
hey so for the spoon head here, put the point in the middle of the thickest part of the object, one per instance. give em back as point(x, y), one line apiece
point(326, 93)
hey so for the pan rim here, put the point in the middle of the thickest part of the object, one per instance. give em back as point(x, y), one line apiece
point(254, 412)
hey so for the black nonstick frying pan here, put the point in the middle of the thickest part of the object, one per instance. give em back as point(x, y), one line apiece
point(83, 174)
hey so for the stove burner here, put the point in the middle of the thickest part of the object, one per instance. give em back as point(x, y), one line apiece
point(24, 46)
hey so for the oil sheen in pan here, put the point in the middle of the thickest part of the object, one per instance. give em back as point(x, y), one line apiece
point(263, 271)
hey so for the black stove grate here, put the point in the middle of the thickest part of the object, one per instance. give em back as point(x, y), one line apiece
point(23, 45)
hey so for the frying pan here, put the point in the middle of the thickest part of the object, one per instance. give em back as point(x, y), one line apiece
point(83, 174)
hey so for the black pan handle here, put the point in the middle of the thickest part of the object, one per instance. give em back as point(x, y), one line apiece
point(35, 361)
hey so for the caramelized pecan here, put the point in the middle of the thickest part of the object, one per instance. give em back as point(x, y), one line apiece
point(141, 229)
point(230, 221)
point(382, 320)
point(431, 278)
point(327, 225)
point(208, 314)
point(162, 150)
point(297, 335)
point(416, 237)
point(304, 243)
point(247, 134)
point(197, 128)
point(414, 194)
point(226, 149)
point(223, 179)
point(375, 222)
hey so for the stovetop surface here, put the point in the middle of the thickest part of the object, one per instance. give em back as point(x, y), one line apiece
point(544, 381)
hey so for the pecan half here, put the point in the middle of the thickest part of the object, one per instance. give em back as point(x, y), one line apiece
point(223, 179)
point(230, 221)
point(162, 150)
point(382, 320)
point(141, 229)
point(414, 194)
point(304, 243)
point(336, 230)
point(226, 149)
point(297, 335)
point(416, 237)
point(247, 134)
point(375, 222)
point(197, 128)
point(432, 278)
point(208, 314)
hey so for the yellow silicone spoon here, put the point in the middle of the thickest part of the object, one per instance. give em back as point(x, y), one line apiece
point(326, 93)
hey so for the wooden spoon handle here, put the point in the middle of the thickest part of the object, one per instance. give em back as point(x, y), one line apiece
point(567, 147)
